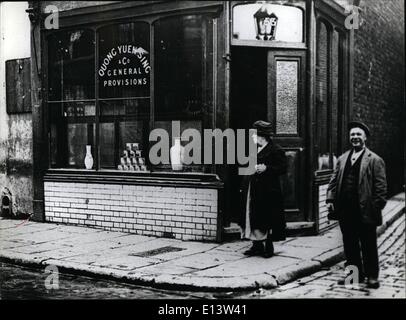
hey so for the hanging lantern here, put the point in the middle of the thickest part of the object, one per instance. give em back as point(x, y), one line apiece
point(265, 23)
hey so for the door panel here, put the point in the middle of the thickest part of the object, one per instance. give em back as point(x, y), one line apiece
point(286, 112)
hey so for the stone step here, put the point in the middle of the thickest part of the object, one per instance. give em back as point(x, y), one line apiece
point(233, 232)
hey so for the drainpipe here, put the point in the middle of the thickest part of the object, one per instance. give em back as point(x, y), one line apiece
point(38, 133)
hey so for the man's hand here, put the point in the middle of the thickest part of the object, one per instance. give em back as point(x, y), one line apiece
point(259, 168)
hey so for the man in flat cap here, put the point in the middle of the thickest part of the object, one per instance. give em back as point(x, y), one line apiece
point(262, 215)
point(356, 196)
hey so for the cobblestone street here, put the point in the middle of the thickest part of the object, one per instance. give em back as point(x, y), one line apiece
point(323, 284)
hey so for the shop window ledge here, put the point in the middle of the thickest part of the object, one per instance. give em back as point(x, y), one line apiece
point(172, 179)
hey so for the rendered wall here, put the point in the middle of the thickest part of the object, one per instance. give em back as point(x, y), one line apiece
point(15, 129)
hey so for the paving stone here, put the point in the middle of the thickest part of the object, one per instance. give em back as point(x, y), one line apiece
point(248, 266)
point(124, 263)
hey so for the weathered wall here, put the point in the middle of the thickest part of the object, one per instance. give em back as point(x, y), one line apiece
point(379, 82)
point(15, 129)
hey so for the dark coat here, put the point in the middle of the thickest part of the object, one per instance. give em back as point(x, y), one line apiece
point(266, 210)
point(372, 187)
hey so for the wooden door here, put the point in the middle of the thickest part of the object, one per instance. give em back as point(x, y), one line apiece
point(287, 113)
point(268, 84)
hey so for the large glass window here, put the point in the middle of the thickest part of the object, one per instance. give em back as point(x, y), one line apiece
point(124, 94)
point(107, 104)
point(71, 96)
point(184, 63)
point(329, 94)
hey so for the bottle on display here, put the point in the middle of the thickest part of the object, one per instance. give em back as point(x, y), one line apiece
point(177, 155)
point(88, 158)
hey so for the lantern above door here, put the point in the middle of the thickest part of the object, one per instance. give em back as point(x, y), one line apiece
point(260, 23)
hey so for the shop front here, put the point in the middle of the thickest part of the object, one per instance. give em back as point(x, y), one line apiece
point(112, 74)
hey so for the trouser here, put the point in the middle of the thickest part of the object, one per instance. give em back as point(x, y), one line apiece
point(360, 238)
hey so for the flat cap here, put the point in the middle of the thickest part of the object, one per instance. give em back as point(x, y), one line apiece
point(263, 128)
point(359, 124)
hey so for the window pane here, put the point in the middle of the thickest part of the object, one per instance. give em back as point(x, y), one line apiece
point(132, 147)
point(184, 74)
point(286, 97)
point(124, 127)
point(124, 61)
point(72, 127)
point(79, 135)
point(322, 96)
point(58, 132)
point(71, 74)
point(106, 140)
point(335, 109)
point(71, 65)
point(184, 125)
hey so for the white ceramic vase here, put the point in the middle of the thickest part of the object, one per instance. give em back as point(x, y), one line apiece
point(88, 158)
point(177, 155)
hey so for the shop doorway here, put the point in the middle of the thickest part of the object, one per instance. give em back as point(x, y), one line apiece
point(269, 84)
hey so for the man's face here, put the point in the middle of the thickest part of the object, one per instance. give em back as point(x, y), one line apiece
point(357, 138)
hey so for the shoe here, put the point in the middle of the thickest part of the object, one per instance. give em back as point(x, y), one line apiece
point(267, 254)
point(373, 283)
point(257, 249)
point(269, 249)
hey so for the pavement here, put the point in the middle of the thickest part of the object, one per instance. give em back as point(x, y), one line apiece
point(174, 264)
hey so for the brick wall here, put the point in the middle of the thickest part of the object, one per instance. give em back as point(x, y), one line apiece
point(379, 82)
point(181, 213)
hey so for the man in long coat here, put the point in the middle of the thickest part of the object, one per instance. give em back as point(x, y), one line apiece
point(262, 218)
point(356, 196)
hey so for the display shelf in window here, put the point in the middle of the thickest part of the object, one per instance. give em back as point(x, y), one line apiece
point(79, 109)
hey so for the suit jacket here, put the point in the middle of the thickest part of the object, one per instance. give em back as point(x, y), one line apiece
point(266, 209)
point(372, 187)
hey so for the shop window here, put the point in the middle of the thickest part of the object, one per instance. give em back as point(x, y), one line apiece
point(184, 63)
point(109, 107)
point(124, 95)
point(329, 94)
point(71, 66)
point(72, 104)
